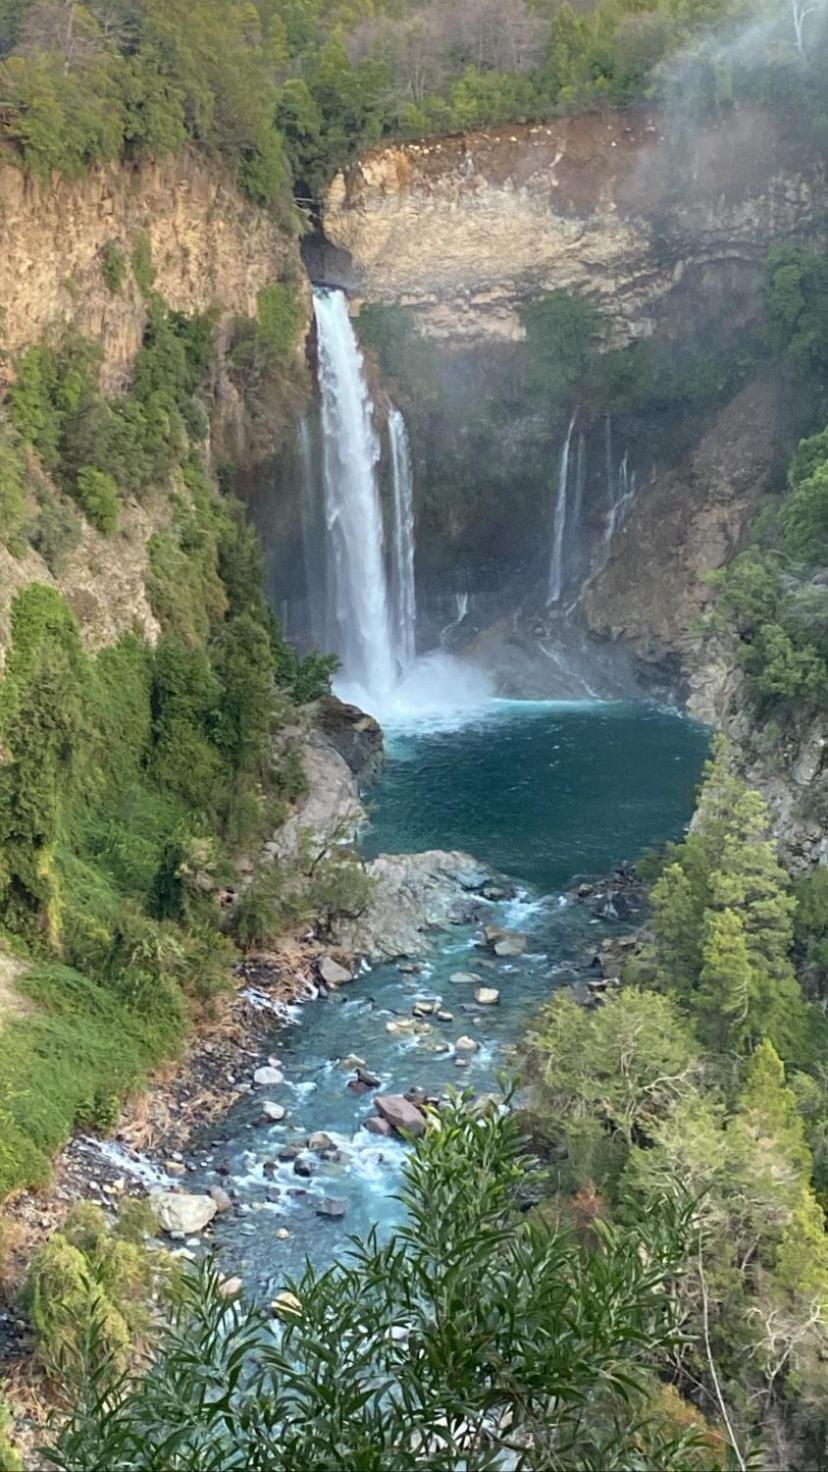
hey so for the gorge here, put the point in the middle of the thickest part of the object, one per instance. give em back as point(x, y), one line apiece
point(413, 655)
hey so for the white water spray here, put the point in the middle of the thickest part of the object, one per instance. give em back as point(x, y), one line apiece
point(404, 597)
point(559, 526)
point(358, 596)
point(622, 490)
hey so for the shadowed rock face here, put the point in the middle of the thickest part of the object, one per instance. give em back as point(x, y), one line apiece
point(619, 205)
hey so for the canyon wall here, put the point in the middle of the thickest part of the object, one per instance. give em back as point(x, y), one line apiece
point(619, 205)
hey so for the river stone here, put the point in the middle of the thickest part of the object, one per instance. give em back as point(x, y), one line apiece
point(182, 1213)
point(268, 1076)
point(466, 1045)
point(272, 1113)
point(487, 996)
point(353, 1061)
point(464, 978)
point(510, 945)
point(320, 1142)
point(231, 1287)
point(371, 1080)
point(401, 1026)
point(332, 1207)
point(376, 1126)
point(400, 1113)
point(221, 1199)
point(332, 973)
point(302, 1168)
point(286, 1303)
point(443, 1016)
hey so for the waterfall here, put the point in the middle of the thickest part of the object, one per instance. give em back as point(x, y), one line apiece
point(313, 536)
point(622, 495)
point(403, 592)
point(559, 526)
point(358, 597)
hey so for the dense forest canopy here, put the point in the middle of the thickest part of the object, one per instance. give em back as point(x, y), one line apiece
point(288, 90)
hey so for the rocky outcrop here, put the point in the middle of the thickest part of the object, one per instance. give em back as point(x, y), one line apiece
point(685, 525)
point(619, 205)
point(210, 249)
point(413, 896)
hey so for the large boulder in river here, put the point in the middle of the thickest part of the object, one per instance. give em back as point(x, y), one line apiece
point(182, 1213)
point(332, 973)
point(412, 896)
point(400, 1113)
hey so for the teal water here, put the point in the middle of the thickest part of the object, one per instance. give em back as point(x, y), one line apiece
point(543, 793)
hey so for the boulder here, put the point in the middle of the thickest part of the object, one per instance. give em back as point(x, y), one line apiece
point(510, 945)
point(443, 1016)
point(400, 1113)
point(332, 1207)
point(466, 1045)
point(221, 1199)
point(286, 1303)
point(464, 978)
point(268, 1076)
point(332, 973)
point(319, 1142)
point(487, 996)
point(358, 1086)
point(376, 1126)
point(231, 1287)
point(272, 1113)
point(353, 1061)
point(371, 1080)
point(302, 1168)
point(182, 1212)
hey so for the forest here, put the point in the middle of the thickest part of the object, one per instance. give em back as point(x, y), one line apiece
point(287, 91)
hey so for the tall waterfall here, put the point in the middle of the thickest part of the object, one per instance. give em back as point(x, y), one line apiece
point(358, 597)
point(559, 526)
point(403, 591)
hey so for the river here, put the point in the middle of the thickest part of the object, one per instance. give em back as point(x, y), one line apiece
point(546, 794)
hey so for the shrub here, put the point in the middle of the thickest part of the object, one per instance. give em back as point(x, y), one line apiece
point(142, 267)
point(56, 532)
point(98, 495)
point(113, 267)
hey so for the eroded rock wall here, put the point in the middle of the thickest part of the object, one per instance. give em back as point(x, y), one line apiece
point(620, 205)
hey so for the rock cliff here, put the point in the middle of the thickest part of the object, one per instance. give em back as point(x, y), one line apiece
point(620, 205)
point(210, 249)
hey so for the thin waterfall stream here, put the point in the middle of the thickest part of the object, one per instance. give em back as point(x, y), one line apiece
point(556, 568)
point(403, 585)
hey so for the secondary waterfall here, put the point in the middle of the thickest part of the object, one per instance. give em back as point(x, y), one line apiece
point(559, 525)
point(403, 591)
point(622, 494)
point(360, 621)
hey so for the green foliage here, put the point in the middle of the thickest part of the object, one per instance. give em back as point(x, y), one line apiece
point(113, 267)
point(143, 269)
point(489, 1310)
point(562, 332)
point(724, 923)
point(12, 490)
point(97, 493)
point(83, 1276)
point(57, 530)
point(10, 1459)
point(280, 315)
point(796, 303)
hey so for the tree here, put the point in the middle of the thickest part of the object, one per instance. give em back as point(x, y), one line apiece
point(474, 1334)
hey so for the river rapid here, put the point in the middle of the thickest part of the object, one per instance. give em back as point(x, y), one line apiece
point(546, 794)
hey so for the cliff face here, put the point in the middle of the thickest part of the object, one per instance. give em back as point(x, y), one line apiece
point(210, 248)
point(618, 205)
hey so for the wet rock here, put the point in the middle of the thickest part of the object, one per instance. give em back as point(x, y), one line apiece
point(487, 996)
point(221, 1199)
point(470, 876)
point(273, 1194)
point(286, 1303)
point(585, 890)
point(464, 978)
point(371, 1080)
point(332, 973)
point(319, 1142)
point(400, 1113)
point(409, 968)
point(376, 1126)
point(461, 1062)
point(272, 1113)
point(401, 1027)
point(303, 1168)
point(443, 1016)
point(174, 1168)
point(290, 1152)
point(182, 1212)
point(231, 1287)
point(332, 1207)
point(353, 1061)
point(510, 945)
point(358, 1087)
point(425, 1008)
point(268, 1076)
point(282, 1234)
point(466, 1045)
